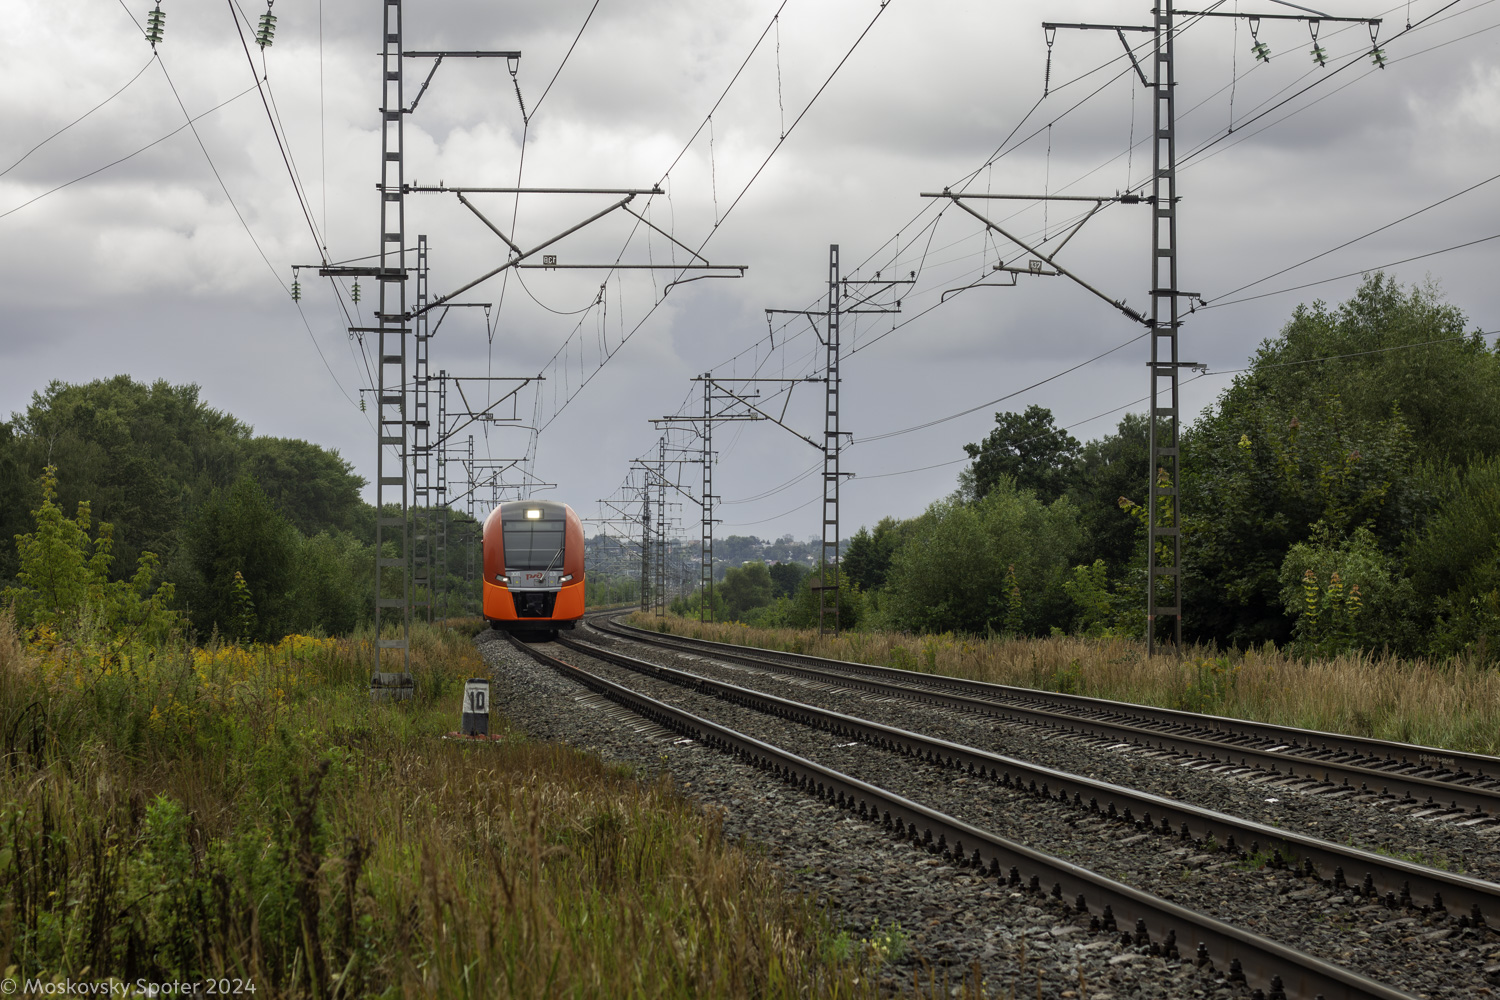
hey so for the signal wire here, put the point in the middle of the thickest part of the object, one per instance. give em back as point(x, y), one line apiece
point(258, 249)
point(1316, 83)
point(1346, 243)
point(276, 132)
point(962, 184)
point(263, 86)
point(746, 524)
point(775, 489)
point(1230, 371)
point(1338, 90)
point(1352, 274)
point(924, 210)
point(1238, 128)
point(795, 121)
point(127, 156)
point(975, 174)
point(189, 124)
point(743, 191)
point(564, 62)
point(80, 118)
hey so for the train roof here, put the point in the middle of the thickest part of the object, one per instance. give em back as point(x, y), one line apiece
point(519, 510)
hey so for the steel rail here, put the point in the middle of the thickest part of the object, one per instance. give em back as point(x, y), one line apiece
point(1261, 962)
point(1482, 801)
point(1401, 882)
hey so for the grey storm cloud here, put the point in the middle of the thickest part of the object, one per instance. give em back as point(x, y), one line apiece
point(147, 267)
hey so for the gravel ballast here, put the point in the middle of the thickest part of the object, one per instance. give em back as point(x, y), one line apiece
point(951, 919)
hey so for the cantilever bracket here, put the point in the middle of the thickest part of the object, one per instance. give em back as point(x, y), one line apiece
point(1129, 52)
point(1049, 258)
point(979, 284)
point(683, 281)
point(437, 58)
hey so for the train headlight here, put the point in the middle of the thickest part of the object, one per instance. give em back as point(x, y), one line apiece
point(533, 513)
point(566, 578)
point(501, 578)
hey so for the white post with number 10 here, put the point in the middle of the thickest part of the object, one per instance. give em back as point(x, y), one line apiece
point(476, 721)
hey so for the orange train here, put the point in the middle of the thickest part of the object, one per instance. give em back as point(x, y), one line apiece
point(533, 566)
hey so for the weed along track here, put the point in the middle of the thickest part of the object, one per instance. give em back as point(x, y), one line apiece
point(1425, 781)
point(1006, 848)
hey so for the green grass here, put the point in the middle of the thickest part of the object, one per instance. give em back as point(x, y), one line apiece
point(178, 814)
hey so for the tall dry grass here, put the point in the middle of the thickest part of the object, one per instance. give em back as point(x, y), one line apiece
point(1450, 704)
point(176, 814)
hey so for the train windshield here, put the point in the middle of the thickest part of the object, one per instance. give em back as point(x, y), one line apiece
point(533, 545)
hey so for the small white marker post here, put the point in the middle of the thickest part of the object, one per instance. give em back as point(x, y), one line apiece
point(476, 720)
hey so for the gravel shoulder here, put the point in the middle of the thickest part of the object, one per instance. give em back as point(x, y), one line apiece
point(954, 924)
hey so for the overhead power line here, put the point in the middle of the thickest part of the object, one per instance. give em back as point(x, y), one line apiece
point(1357, 354)
point(246, 226)
point(1322, 79)
point(80, 118)
point(1352, 274)
point(1346, 243)
point(1226, 371)
point(127, 156)
point(587, 379)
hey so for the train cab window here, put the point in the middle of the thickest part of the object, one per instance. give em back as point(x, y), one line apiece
point(534, 544)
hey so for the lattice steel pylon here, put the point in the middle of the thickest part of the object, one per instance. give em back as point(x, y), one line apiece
point(392, 580)
point(646, 546)
point(441, 489)
point(421, 430)
point(1164, 542)
point(471, 577)
point(706, 534)
point(712, 393)
point(830, 553)
point(661, 527)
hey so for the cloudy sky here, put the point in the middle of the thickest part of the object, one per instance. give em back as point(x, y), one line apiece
point(135, 244)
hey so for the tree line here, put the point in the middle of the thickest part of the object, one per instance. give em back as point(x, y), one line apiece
point(226, 517)
point(1343, 492)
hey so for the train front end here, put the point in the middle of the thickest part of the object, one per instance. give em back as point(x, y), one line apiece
point(533, 566)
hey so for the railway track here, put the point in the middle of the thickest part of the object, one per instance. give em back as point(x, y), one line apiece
point(1400, 883)
point(1372, 883)
point(1426, 782)
point(1263, 964)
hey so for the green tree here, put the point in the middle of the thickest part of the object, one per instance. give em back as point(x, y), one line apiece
point(64, 585)
point(1352, 417)
point(314, 488)
point(1102, 609)
point(1258, 478)
point(1454, 563)
point(810, 603)
point(745, 587)
point(1347, 594)
point(867, 560)
point(238, 531)
point(147, 456)
point(18, 497)
point(785, 577)
point(1029, 449)
point(243, 625)
point(333, 590)
point(954, 571)
point(1107, 469)
point(1457, 552)
point(143, 455)
point(1387, 348)
point(690, 605)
